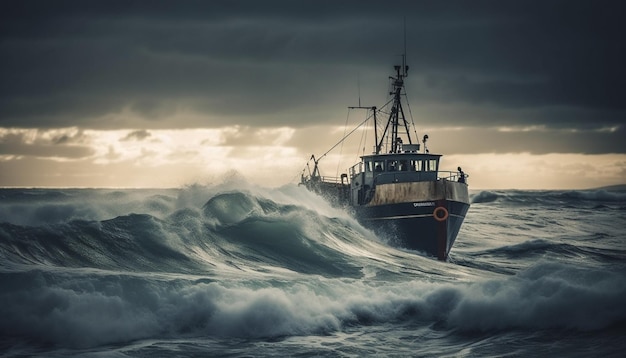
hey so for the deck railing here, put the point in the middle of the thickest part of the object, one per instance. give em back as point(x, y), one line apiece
point(449, 175)
point(441, 174)
point(326, 179)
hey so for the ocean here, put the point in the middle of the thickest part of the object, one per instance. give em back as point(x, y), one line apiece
point(237, 270)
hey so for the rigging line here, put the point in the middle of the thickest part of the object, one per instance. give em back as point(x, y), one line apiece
point(301, 173)
point(411, 115)
point(364, 138)
point(384, 135)
point(352, 131)
point(362, 142)
point(385, 106)
point(345, 127)
point(344, 138)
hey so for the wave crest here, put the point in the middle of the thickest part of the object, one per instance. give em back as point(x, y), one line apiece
point(232, 230)
point(546, 296)
point(484, 197)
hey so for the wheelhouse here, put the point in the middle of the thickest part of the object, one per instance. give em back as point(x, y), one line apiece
point(379, 169)
point(388, 168)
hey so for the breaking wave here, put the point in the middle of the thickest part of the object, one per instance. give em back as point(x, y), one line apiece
point(95, 309)
point(91, 268)
point(232, 229)
point(566, 197)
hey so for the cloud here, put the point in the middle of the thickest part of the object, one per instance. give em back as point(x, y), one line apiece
point(525, 171)
point(137, 84)
point(279, 63)
point(534, 140)
point(137, 135)
point(44, 144)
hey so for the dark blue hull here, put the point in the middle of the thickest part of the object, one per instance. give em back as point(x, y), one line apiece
point(430, 227)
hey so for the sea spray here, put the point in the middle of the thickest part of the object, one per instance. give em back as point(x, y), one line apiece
point(213, 270)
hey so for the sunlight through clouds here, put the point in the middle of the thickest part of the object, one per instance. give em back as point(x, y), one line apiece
point(266, 156)
point(159, 147)
point(146, 158)
point(546, 171)
point(162, 95)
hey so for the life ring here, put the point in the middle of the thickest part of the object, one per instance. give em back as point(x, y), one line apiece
point(440, 214)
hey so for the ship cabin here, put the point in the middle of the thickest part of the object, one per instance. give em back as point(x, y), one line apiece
point(376, 169)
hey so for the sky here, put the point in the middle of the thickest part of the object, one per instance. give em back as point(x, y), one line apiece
point(521, 94)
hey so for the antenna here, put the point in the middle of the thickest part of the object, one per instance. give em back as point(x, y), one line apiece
point(405, 68)
point(358, 84)
point(404, 53)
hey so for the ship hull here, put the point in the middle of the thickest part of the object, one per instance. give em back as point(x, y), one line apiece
point(417, 227)
point(425, 216)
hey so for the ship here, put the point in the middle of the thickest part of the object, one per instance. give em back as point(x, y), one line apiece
point(398, 190)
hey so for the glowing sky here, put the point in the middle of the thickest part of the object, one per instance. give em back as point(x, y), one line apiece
point(526, 94)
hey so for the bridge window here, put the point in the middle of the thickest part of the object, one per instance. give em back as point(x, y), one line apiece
point(416, 165)
point(431, 165)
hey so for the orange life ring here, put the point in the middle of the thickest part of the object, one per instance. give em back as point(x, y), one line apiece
point(437, 214)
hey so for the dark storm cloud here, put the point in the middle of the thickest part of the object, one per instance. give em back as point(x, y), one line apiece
point(137, 135)
point(272, 63)
point(475, 141)
point(20, 144)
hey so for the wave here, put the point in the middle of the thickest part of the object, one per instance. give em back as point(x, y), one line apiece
point(484, 197)
point(114, 267)
point(559, 251)
point(554, 197)
point(536, 247)
point(594, 195)
point(233, 230)
point(136, 242)
point(92, 309)
point(49, 206)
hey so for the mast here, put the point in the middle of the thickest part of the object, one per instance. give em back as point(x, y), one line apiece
point(396, 117)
